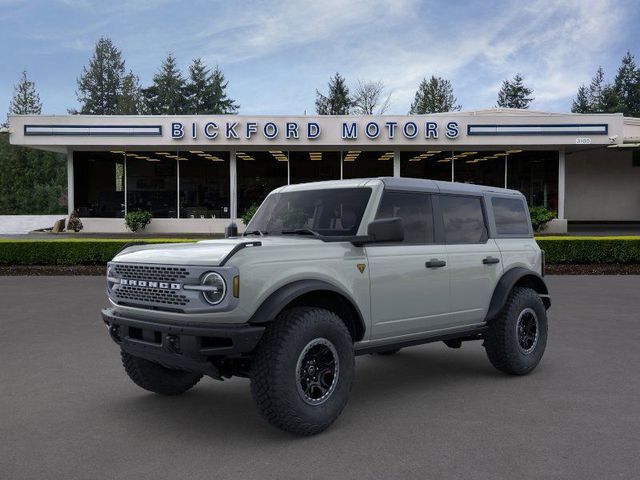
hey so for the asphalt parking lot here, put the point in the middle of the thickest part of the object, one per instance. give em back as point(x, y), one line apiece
point(68, 411)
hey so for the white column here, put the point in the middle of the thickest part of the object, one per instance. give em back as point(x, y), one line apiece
point(70, 193)
point(561, 181)
point(396, 163)
point(233, 185)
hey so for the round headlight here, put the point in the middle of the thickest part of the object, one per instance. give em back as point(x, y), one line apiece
point(216, 288)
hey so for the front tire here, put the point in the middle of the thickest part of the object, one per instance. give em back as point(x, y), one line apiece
point(302, 370)
point(516, 339)
point(156, 378)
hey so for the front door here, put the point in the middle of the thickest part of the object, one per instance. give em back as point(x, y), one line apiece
point(410, 291)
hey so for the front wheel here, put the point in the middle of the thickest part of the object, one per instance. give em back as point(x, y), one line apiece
point(516, 339)
point(302, 370)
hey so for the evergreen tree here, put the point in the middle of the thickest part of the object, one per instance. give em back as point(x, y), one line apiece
point(166, 96)
point(130, 100)
point(206, 92)
point(596, 89)
point(627, 86)
point(514, 93)
point(434, 95)
point(100, 84)
point(26, 100)
point(337, 101)
point(581, 103)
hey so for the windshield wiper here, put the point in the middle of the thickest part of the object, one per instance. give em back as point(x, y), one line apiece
point(300, 231)
point(255, 232)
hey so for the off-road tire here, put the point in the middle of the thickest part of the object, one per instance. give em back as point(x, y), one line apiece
point(391, 351)
point(275, 375)
point(156, 378)
point(502, 341)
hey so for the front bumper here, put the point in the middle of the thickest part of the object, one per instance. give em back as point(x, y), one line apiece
point(181, 346)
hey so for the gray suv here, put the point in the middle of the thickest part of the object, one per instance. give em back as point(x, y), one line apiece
point(325, 272)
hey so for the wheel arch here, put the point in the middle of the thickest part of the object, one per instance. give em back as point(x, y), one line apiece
point(314, 293)
point(516, 277)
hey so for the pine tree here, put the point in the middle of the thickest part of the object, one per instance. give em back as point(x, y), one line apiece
point(166, 96)
point(514, 93)
point(581, 104)
point(221, 102)
point(627, 86)
point(434, 95)
point(99, 85)
point(26, 100)
point(337, 101)
point(206, 92)
point(596, 88)
point(130, 101)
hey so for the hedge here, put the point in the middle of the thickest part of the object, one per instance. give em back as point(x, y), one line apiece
point(78, 251)
point(582, 250)
point(72, 251)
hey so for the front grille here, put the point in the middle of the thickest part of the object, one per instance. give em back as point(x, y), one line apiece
point(133, 294)
point(150, 272)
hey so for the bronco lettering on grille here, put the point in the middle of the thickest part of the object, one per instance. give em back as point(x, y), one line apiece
point(150, 284)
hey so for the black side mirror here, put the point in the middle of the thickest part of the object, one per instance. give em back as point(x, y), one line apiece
point(386, 230)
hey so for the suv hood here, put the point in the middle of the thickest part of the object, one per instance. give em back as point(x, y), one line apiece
point(205, 252)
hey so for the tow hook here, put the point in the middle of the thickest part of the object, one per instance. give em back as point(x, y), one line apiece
point(173, 343)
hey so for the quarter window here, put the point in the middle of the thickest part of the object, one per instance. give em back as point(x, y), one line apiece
point(511, 216)
point(415, 211)
point(463, 219)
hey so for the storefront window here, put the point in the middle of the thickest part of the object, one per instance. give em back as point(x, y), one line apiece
point(430, 164)
point(535, 174)
point(99, 184)
point(480, 167)
point(314, 166)
point(365, 164)
point(258, 173)
point(152, 183)
point(204, 184)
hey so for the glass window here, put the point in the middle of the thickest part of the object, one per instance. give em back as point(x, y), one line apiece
point(363, 164)
point(430, 164)
point(314, 166)
point(258, 174)
point(335, 211)
point(415, 211)
point(535, 174)
point(511, 216)
point(99, 184)
point(480, 167)
point(204, 184)
point(463, 219)
point(152, 183)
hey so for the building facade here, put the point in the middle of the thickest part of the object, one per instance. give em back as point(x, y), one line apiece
point(196, 173)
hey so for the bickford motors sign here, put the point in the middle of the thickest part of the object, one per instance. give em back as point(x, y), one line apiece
point(290, 130)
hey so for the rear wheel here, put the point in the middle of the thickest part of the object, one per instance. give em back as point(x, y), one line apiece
point(302, 370)
point(156, 378)
point(516, 340)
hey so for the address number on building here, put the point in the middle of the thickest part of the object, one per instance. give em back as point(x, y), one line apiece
point(583, 141)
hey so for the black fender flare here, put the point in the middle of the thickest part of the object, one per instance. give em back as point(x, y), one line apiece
point(511, 278)
point(274, 303)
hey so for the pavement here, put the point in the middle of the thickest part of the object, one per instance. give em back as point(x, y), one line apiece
point(68, 411)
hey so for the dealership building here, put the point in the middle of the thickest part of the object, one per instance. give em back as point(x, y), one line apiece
point(196, 173)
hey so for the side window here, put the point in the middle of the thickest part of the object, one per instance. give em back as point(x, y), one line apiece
point(463, 219)
point(511, 216)
point(415, 211)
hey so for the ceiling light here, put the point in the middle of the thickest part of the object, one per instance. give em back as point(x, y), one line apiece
point(152, 160)
point(444, 160)
point(161, 153)
point(196, 151)
point(117, 151)
point(434, 151)
point(500, 154)
point(514, 151)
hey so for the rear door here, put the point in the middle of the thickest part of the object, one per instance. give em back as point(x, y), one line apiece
point(409, 280)
point(475, 263)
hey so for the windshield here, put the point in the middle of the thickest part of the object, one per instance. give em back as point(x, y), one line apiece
point(327, 212)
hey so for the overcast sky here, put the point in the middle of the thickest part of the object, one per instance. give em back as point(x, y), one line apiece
point(276, 53)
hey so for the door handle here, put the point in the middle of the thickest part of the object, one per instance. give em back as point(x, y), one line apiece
point(435, 263)
point(490, 260)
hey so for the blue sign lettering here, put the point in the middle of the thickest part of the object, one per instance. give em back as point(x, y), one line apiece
point(349, 131)
point(391, 127)
point(410, 130)
point(372, 130)
point(292, 130)
point(252, 127)
point(313, 130)
point(230, 130)
point(453, 130)
point(177, 130)
point(270, 130)
point(210, 130)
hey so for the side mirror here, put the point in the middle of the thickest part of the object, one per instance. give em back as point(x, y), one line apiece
point(385, 230)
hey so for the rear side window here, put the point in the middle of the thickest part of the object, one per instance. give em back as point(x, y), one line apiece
point(511, 216)
point(463, 219)
point(415, 211)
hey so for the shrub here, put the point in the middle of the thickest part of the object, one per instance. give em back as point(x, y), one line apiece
point(581, 250)
point(540, 216)
point(137, 220)
point(249, 213)
point(74, 222)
